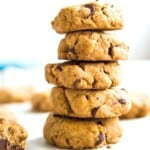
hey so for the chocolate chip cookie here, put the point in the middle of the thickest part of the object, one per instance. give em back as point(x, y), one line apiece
point(92, 46)
point(73, 133)
point(90, 16)
point(89, 103)
point(12, 135)
point(84, 75)
point(140, 105)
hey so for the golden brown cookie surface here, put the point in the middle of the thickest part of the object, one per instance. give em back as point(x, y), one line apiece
point(84, 75)
point(92, 46)
point(90, 16)
point(89, 103)
point(79, 134)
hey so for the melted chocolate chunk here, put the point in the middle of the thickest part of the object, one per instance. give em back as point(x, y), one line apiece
point(71, 51)
point(97, 98)
point(99, 122)
point(94, 110)
point(101, 138)
point(3, 144)
point(87, 97)
point(124, 90)
point(92, 10)
point(58, 67)
point(76, 83)
point(110, 50)
point(122, 101)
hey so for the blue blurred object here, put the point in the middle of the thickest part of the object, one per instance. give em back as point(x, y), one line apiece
point(8, 64)
point(14, 64)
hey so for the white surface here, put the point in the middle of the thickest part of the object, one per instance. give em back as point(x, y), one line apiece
point(25, 28)
point(136, 132)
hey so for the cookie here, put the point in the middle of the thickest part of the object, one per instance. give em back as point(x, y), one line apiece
point(5, 95)
point(74, 133)
point(89, 103)
point(40, 101)
point(12, 135)
point(15, 95)
point(140, 105)
point(84, 75)
point(92, 46)
point(89, 16)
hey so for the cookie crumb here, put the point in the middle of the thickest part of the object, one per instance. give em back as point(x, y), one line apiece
point(109, 146)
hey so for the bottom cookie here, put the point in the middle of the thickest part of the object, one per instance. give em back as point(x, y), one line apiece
point(12, 135)
point(78, 133)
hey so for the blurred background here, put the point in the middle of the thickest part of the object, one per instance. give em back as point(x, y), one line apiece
point(28, 42)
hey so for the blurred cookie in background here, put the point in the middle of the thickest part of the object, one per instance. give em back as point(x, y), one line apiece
point(22, 93)
point(5, 95)
point(16, 94)
point(40, 101)
point(140, 105)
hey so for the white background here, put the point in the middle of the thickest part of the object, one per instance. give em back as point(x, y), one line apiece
point(26, 33)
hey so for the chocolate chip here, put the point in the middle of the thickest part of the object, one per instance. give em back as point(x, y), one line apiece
point(111, 5)
point(58, 67)
point(87, 97)
point(94, 110)
point(99, 122)
point(14, 147)
point(92, 10)
point(76, 83)
point(3, 144)
point(81, 65)
point(94, 82)
point(122, 101)
point(124, 90)
point(72, 50)
point(110, 50)
point(97, 98)
point(101, 138)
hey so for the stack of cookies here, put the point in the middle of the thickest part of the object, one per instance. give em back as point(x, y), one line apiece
point(86, 103)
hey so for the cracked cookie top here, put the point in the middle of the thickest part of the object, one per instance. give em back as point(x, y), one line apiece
point(84, 75)
point(90, 16)
point(92, 46)
point(89, 103)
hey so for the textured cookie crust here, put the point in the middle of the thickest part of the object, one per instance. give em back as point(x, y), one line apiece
point(89, 103)
point(140, 105)
point(78, 134)
point(84, 75)
point(90, 16)
point(92, 46)
point(12, 135)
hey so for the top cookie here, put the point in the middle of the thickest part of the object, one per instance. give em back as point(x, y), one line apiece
point(90, 16)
